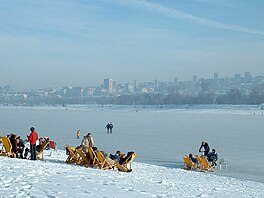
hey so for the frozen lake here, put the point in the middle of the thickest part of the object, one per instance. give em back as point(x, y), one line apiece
point(158, 135)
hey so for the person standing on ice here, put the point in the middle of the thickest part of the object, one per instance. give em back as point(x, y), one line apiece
point(111, 126)
point(33, 137)
point(78, 134)
point(107, 127)
point(206, 147)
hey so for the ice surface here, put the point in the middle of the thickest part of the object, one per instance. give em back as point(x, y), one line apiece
point(160, 135)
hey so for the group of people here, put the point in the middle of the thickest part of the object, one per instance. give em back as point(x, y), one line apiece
point(113, 159)
point(18, 145)
point(212, 156)
point(109, 127)
point(33, 144)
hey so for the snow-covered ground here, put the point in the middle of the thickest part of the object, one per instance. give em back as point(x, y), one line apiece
point(54, 178)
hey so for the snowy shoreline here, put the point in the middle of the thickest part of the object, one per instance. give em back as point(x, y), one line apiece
point(54, 178)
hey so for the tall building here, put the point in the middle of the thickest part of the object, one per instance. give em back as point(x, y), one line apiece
point(129, 87)
point(108, 84)
point(237, 79)
point(215, 76)
point(194, 79)
point(196, 85)
point(215, 81)
point(175, 81)
point(135, 85)
point(156, 84)
point(247, 76)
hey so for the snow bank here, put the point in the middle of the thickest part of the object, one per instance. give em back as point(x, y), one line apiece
point(54, 178)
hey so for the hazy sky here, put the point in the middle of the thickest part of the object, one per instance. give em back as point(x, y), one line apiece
point(49, 43)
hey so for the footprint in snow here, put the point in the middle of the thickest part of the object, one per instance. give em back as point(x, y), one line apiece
point(201, 195)
point(28, 186)
point(143, 192)
point(6, 185)
point(87, 192)
point(129, 189)
point(51, 196)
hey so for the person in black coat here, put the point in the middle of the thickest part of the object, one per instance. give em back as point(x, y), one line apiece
point(20, 147)
point(107, 127)
point(111, 126)
point(212, 157)
point(206, 148)
point(13, 142)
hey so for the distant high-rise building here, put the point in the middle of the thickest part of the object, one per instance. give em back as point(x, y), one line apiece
point(215, 81)
point(215, 76)
point(226, 82)
point(195, 78)
point(247, 76)
point(135, 85)
point(175, 80)
point(129, 87)
point(108, 84)
point(156, 84)
point(237, 78)
point(196, 85)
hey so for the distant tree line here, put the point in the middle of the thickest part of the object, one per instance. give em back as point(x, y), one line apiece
point(234, 96)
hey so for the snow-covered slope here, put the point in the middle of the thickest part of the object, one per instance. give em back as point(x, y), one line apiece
point(54, 178)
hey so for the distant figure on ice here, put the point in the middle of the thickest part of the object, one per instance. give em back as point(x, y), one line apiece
point(107, 127)
point(111, 127)
point(212, 157)
point(78, 134)
point(206, 148)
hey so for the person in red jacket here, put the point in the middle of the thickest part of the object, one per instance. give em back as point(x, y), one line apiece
point(33, 137)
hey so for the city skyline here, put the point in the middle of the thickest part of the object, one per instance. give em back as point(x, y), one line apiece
point(109, 83)
point(55, 43)
point(241, 89)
